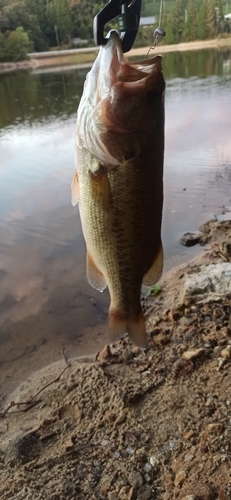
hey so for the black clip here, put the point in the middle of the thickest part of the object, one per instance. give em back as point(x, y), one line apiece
point(128, 13)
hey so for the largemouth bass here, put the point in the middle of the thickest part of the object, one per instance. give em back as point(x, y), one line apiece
point(119, 181)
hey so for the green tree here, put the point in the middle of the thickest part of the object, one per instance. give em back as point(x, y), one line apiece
point(201, 30)
point(24, 13)
point(3, 48)
point(191, 24)
point(210, 19)
point(64, 23)
point(14, 45)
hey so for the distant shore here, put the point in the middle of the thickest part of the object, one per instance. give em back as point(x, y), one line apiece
point(85, 57)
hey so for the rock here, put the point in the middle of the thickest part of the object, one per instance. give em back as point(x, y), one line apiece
point(113, 495)
point(104, 354)
point(226, 353)
point(189, 434)
point(123, 493)
point(127, 354)
point(144, 492)
point(225, 493)
point(220, 362)
point(215, 427)
point(189, 497)
point(167, 495)
point(132, 494)
point(193, 353)
point(188, 457)
point(154, 461)
point(147, 478)
point(210, 281)
point(135, 479)
point(105, 484)
point(190, 239)
point(148, 467)
point(180, 478)
point(203, 491)
point(135, 351)
point(69, 445)
point(183, 321)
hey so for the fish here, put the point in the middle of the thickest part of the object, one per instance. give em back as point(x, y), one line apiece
point(118, 181)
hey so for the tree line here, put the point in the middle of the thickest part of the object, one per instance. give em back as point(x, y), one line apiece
point(39, 25)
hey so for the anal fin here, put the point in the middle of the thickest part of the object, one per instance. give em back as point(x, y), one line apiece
point(155, 271)
point(119, 325)
point(95, 277)
point(75, 190)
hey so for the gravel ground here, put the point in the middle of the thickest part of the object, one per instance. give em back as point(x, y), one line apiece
point(131, 424)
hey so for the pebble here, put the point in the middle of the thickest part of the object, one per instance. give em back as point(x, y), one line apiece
point(167, 495)
point(225, 493)
point(189, 434)
point(132, 494)
point(69, 445)
point(147, 478)
point(148, 467)
point(217, 349)
point(226, 353)
point(144, 493)
point(215, 427)
point(123, 493)
point(127, 354)
point(220, 363)
point(190, 239)
point(189, 497)
point(135, 479)
point(180, 478)
point(130, 450)
point(113, 495)
point(183, 321)
point(105, 353)
point(154, 461)
point(193, 353)
point(188, 457)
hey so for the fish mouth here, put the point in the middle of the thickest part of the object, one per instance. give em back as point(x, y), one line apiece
point(133, 77)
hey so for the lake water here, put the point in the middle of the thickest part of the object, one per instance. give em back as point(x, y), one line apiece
point(45, 300)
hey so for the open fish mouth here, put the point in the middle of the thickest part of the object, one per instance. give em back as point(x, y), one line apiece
point(133, 76)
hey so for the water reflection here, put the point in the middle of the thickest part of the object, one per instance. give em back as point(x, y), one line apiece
point(45, 301)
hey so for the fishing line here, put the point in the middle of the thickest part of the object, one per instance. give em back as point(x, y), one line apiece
point(159, 32)
point(161, 7)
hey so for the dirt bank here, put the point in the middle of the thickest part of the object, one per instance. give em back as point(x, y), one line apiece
point(134, 424)
point(86, 56)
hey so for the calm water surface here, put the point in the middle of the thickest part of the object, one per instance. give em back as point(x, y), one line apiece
point(45, 301)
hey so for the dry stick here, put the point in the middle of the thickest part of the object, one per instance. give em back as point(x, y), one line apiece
point(12, 403)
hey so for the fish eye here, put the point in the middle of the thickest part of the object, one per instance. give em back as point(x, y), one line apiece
point(152, 96)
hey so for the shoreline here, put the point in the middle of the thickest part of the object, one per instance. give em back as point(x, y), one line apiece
point(140, 422)
point(85, 57)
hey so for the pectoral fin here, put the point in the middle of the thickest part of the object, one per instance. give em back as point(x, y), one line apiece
point(154, 273)
point(75, 189)
point(94, 276)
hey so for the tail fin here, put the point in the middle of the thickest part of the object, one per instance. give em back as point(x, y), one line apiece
point(119, 324)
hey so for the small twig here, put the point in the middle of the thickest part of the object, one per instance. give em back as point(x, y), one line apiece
point(31, 403)
point(49, 383)
point(65, 357)
point(12, 403)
